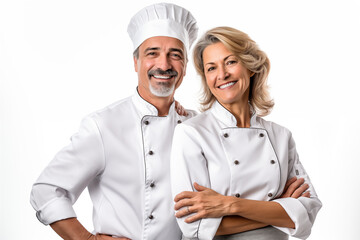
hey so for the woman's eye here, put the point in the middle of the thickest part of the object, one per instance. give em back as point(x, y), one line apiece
point(230, 62)
point(210, 69)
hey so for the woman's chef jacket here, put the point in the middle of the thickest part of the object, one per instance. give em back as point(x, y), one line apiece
point(122, 154)
point(252, 163)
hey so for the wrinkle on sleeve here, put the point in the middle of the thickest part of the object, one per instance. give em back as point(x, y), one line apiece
point(72, 169)
point(302, 211)
point(188, 165)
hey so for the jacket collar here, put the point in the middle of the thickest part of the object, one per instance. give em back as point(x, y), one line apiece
point(146, 108)
point(228, 119)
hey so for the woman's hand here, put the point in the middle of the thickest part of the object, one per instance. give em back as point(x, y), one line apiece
point(205, 203)
point(295, 188)
point(180, 109)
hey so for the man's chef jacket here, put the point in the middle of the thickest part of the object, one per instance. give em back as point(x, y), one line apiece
point(122, 154)
point(252, 163)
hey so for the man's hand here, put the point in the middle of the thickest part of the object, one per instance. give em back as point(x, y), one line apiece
point(295, 188)
point(205, 203)
point(180, 109)
point(105, 237)
point(71, 229)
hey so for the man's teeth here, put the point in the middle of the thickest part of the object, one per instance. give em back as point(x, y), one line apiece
point(227, 85)
point(162, 76)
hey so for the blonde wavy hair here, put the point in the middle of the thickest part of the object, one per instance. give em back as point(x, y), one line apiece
point(252, 58)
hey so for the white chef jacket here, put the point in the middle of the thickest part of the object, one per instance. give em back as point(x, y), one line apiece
point(122, 154)
point(252, 163)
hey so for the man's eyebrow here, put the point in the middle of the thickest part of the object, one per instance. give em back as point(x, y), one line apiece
point(151, 49)
point(177, 50)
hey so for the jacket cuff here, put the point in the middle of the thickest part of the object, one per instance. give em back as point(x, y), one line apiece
point(298, 214)
point(208, 228)
point(55, 210)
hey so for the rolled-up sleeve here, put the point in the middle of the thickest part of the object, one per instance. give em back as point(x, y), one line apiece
point(302, 211)
point(189, 165)
point(71, 170)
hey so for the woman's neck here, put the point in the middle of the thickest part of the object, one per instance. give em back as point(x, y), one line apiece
point(241, 111)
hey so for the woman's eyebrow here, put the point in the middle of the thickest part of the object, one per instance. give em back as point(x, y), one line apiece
point(223, 59)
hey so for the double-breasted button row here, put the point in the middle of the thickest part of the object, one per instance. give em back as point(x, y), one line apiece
point(226, 135)
point(237, 195)
point(146, 122)
point(151, 152)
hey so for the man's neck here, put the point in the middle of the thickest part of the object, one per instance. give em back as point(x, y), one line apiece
point(162, 104)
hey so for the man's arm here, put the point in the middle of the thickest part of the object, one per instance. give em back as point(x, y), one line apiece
point(72, 229)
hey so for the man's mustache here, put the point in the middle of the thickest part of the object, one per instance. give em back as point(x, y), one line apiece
point(169, 72)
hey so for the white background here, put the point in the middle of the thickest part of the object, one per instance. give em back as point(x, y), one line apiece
point(60, 60)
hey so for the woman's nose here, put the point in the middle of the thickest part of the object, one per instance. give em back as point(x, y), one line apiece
point(222, 73)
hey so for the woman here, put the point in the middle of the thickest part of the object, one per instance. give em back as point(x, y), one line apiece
point(244, 159)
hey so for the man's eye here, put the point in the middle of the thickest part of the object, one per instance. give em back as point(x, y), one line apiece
point(151, 54)
point(177, 56)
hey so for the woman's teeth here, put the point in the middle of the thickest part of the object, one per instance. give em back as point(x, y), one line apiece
point(227, 85)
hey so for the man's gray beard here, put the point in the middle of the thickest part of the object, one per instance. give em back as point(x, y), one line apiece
point(162, 90)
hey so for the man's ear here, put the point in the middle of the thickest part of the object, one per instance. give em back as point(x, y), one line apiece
point(185, 69)
point(135, 64)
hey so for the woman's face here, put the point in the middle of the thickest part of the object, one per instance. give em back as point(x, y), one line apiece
point(226, 77)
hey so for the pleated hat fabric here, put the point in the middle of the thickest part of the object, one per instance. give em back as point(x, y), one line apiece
point(163, 19)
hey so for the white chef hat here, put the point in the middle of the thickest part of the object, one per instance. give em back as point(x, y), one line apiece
point(163, 19)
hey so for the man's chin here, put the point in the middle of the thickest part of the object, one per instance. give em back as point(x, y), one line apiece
point(162, 91)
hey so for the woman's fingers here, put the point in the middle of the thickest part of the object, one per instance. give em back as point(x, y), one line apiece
point(306, 194)
point(289, 182)
point(180, 109)
point(184, 212)
point(199, 187)
point(183, 203)
point(193, 218)
point(299, 191)
point(293, 187)
point(182, 195)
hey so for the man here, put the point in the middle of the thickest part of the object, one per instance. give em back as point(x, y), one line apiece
point(121, 153)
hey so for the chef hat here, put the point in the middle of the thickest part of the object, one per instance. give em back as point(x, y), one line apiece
point(163, 19)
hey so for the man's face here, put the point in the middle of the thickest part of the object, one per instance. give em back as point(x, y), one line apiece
point(161, 66)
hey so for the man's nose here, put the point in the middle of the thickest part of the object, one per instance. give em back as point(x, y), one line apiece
point(163, 62)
